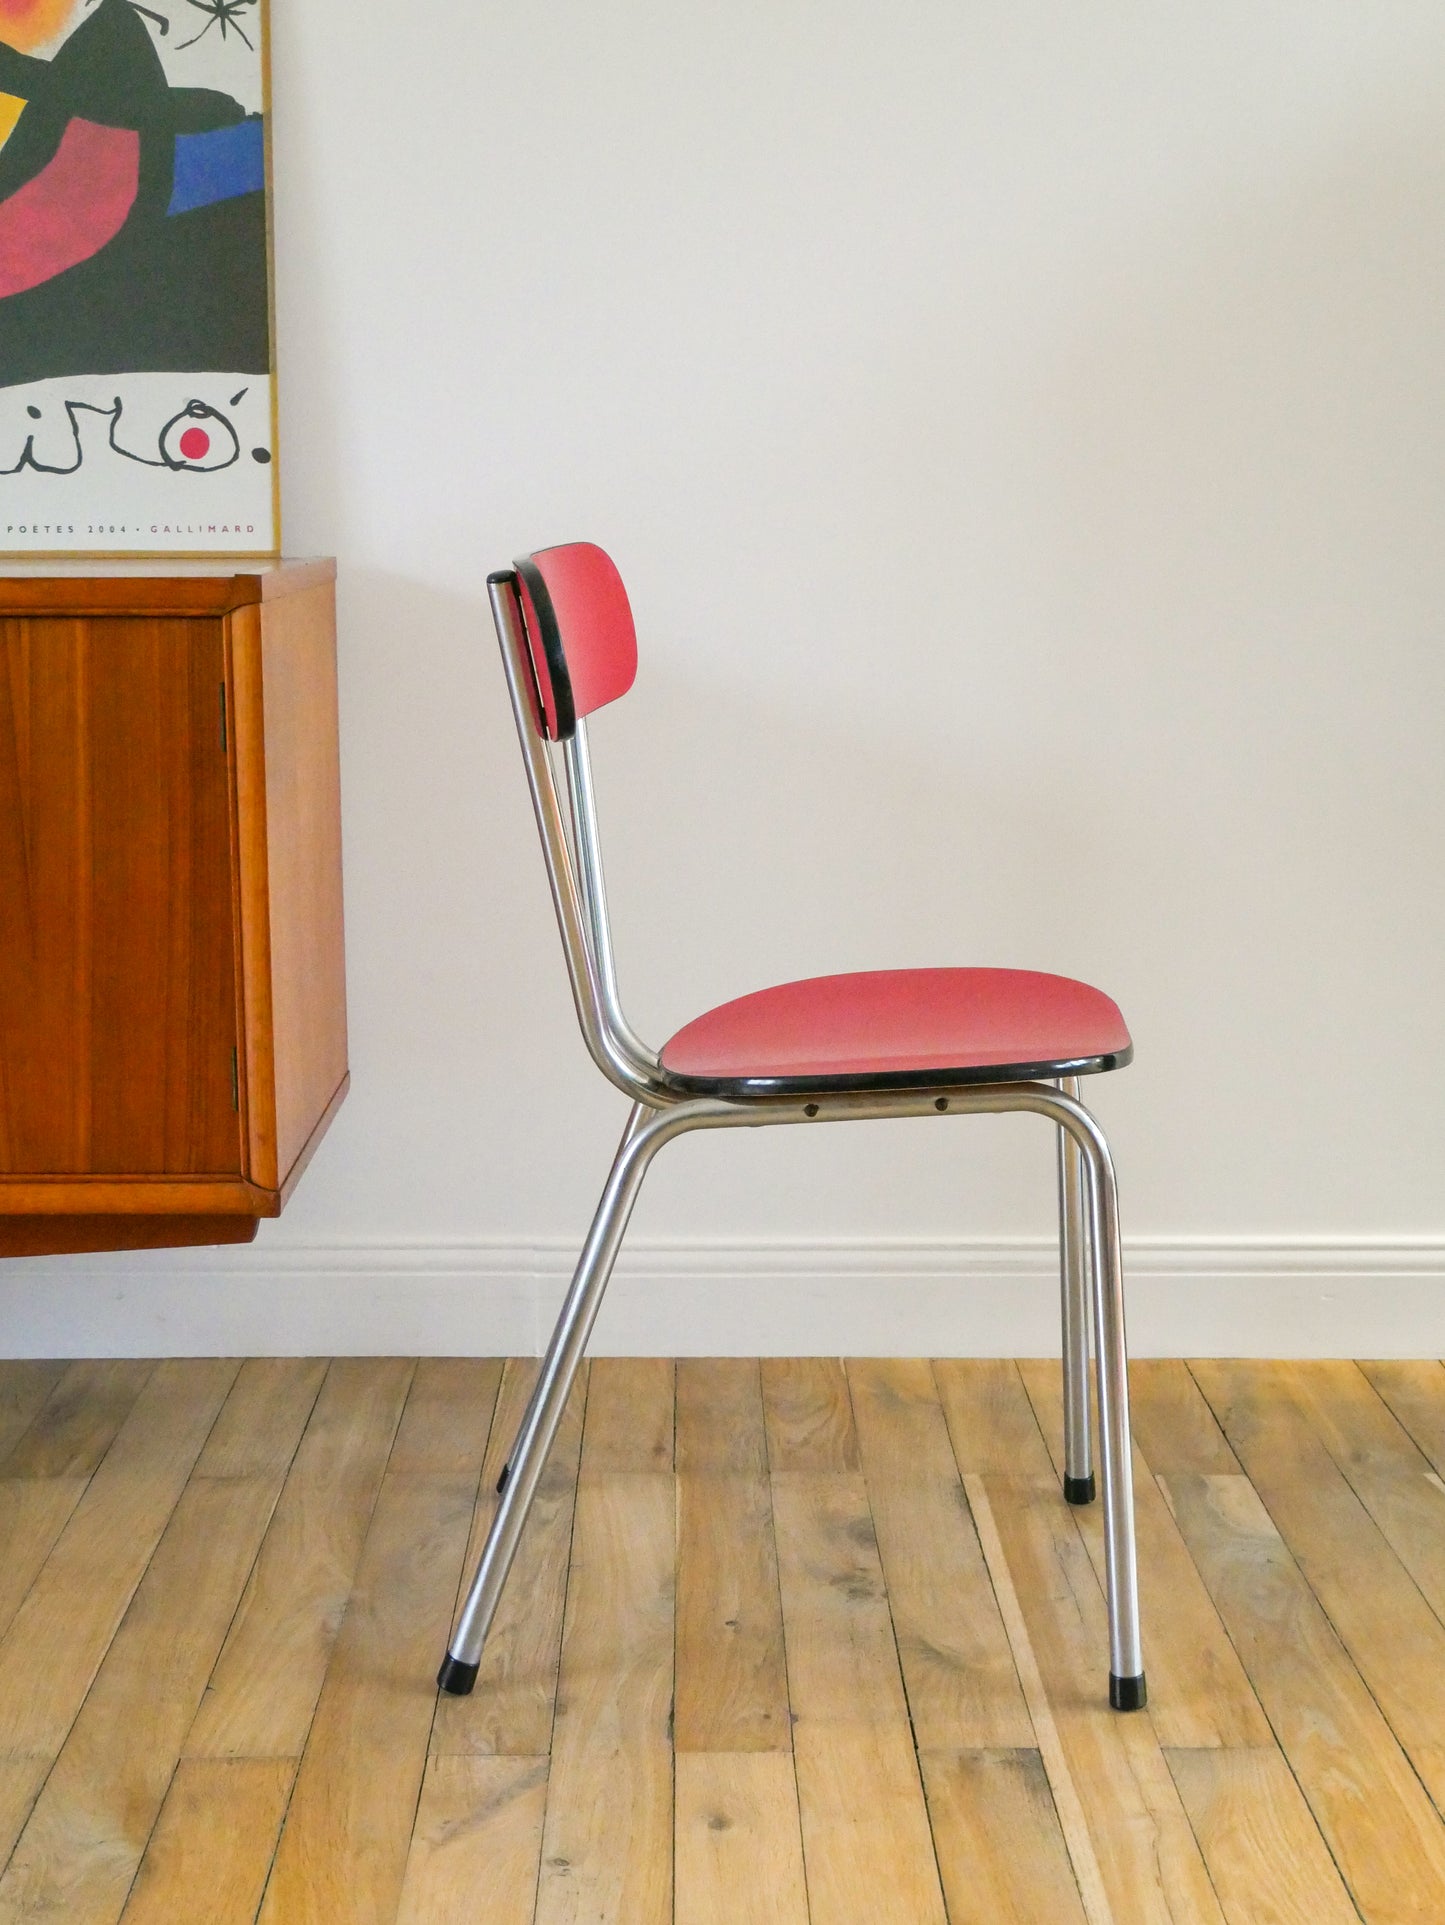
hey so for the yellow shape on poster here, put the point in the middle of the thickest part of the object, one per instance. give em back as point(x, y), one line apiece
point(11, 108)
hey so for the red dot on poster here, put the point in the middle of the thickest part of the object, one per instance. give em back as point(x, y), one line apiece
point(195, 442)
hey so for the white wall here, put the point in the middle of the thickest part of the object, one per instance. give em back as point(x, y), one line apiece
point(1023, 432)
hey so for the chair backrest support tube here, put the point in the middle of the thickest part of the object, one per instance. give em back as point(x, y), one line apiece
point(588, 845)
point(615, 1054)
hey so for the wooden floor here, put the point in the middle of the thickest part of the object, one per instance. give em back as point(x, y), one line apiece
point(802, 1641)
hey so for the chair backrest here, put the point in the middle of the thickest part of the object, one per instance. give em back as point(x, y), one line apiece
point(568, 647)
point(580, 633)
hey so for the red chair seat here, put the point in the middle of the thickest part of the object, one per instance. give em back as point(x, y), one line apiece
point(896, 1028)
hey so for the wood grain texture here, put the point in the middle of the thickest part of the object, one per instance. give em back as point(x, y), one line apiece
point(866, 1843)
point(158, 587)
point(210, 1852)
point(25, 1388)
point(1382, 1831)
point(510, 1711)
point(867, 1850)
point(447, 1419)
point(344, 1848)
point(1415, 1392)
point(990, 1420)
point(109, 1196)
point(348, 1828)
point(630, 1416)
point(842, 1655)
point(261, 1423)
point(739, 1848)
point(1385, 1468)
point(73, 1430)
point(83, 1842)
point(732, 1685)
point(1001, 1853)
point(263, 1691)
point(51, 1461)
point(33, 1513)
point(61, 1632)
point(720, 1431)
point(20, 1782)
point(172, 997)
point(1198, 1692)
point(477, 1840)
point(809, 1417)
point(963, 1690)
point(55, 1235)
point(1395, 1640)
point(1251, 1822)
point(607, 1845)
point(118, 1016)
point(1110, 1768)
point(1052, 1755)
point(288, 813)
point(732, 1692)
point(320, 1777)
point(1172, 1423)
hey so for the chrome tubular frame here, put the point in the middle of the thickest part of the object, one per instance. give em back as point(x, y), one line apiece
point(647, 1130)
point(662, 1110)
point(578, 759)
point(1074, 1272)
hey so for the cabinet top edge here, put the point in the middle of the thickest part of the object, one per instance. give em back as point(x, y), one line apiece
point(158, 587)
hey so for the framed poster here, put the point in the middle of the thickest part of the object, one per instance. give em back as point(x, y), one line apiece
point(137, 392)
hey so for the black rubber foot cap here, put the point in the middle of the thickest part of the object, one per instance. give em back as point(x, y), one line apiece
point(502, 1480)
point(1079, 1490)
point(1128, 1694)
point(456, 1677)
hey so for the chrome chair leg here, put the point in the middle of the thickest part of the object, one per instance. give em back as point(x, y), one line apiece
point(634, 1124)
point(1074, 1290)
point(520, 1432)
point(1127, 1690)
point(640, 1142)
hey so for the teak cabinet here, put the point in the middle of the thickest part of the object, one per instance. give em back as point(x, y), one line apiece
point(172, 981)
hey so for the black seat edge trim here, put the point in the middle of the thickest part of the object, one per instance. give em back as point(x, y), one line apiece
point(744, 1086)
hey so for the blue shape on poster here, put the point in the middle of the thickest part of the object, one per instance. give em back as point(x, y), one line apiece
point(219, 165)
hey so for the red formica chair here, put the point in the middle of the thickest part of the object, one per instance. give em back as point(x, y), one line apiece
point(901, 1042)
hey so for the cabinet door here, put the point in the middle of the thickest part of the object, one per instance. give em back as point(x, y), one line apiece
point(117, 922)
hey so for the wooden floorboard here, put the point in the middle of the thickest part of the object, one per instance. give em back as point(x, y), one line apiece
point(790, 1643)
point(263, 1692)
point(58, 1638)
point(1137, 1837)
point(1001, 1851)
point(1393, 1637)
point(1251, 1819)
point(83, 1843)
point(72, 1430)
point(477, 1841)
point(866, 1844)
point(25, 1387)
point(344, 1849)
point(1199, 1694)
point(510, 1713)
point(608, 1832)
point(732, 1684)
point(739, 1848)
point(963, 1687)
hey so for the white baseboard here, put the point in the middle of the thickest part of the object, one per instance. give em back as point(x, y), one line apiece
point(1286, 1297)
